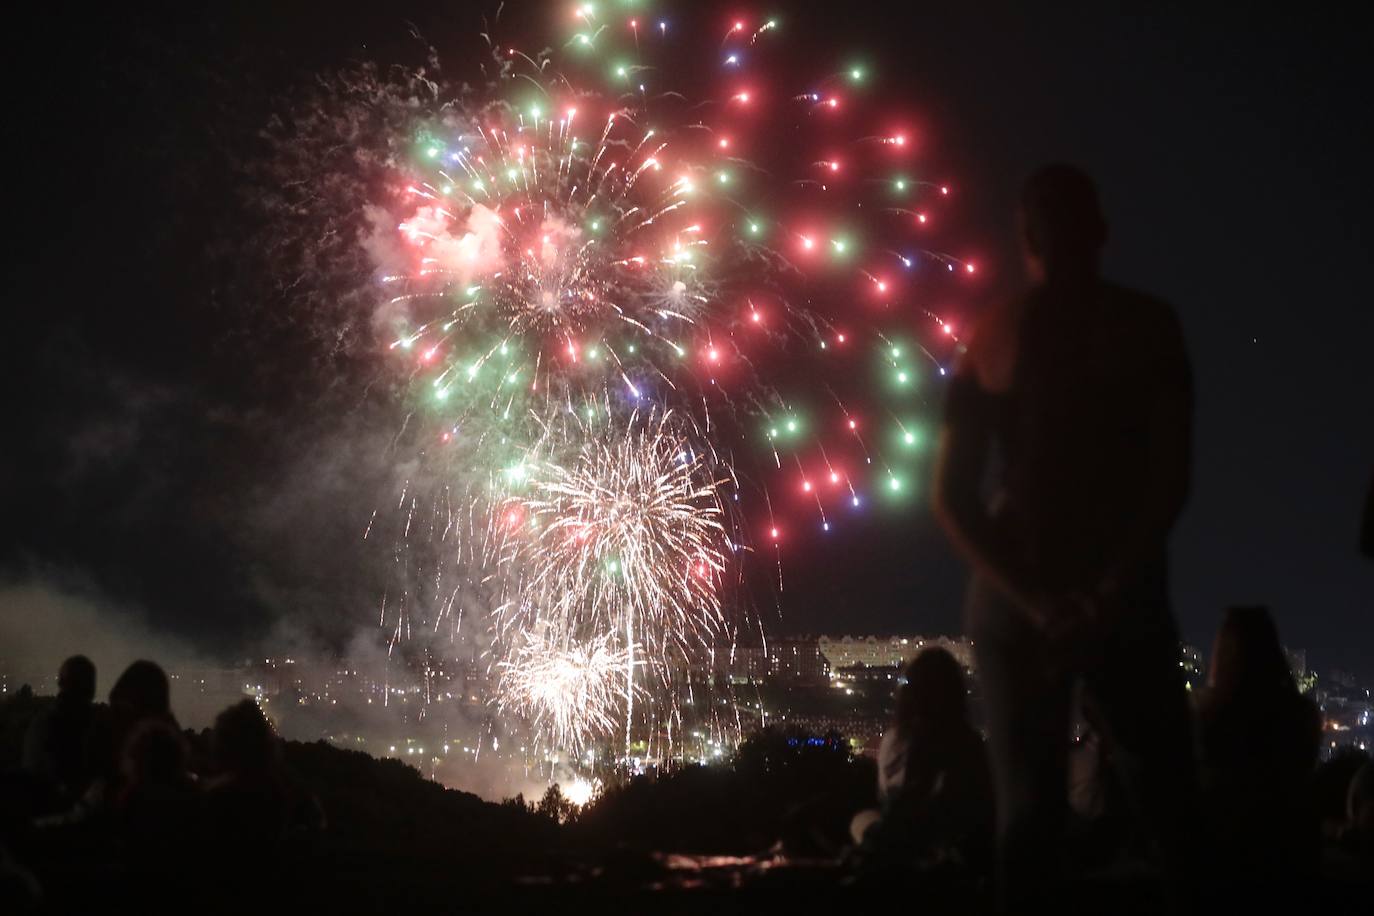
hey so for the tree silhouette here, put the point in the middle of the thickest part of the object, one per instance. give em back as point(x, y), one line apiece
point(555, 806)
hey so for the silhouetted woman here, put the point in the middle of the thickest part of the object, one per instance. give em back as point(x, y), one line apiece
point(1259, 750)
point(142, 694)
point(253, 800)
point(933, 777)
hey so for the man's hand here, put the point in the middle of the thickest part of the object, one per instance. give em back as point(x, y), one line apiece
point(1072, 625)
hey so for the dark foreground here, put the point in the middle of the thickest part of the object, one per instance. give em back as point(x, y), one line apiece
point(766, 833)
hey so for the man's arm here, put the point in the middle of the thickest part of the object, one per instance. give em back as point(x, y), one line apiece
point(965, 447)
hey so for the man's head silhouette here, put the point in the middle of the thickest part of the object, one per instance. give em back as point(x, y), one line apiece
point(76, 679)
point(1062, 224)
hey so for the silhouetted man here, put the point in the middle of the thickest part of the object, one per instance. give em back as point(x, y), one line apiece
point(1082, 391)
point(56, 746)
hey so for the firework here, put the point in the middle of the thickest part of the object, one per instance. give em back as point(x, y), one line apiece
point(615, 531)
point(589, 287)
point(569, 693)
point(581, 791)
point(562, 263)
point(576, 232)
point(624, 534)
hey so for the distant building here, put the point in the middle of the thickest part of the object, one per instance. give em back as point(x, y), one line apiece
point(1343, 679)
point(789, 659)
point(797, 659)
point(864, 674)
point(859, 729)
point(225, 684)
point(890, 651)
point(740, 664)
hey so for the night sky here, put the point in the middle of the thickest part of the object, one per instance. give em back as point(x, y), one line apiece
point(163, 415)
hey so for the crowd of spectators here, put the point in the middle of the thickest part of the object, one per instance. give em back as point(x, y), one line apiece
point(119, 793)
point(1269, 819)
point(111, 802)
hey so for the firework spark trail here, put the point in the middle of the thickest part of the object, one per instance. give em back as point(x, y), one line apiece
point(621, 540)
point(570, 694)
point(631, 524)
point(534, 263)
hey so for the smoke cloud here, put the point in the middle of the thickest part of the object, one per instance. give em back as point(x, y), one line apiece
point(43, 622)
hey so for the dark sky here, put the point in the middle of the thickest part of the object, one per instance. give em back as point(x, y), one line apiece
point(153, 439)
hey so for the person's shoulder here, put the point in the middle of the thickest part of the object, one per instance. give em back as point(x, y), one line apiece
point(1151, 321)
